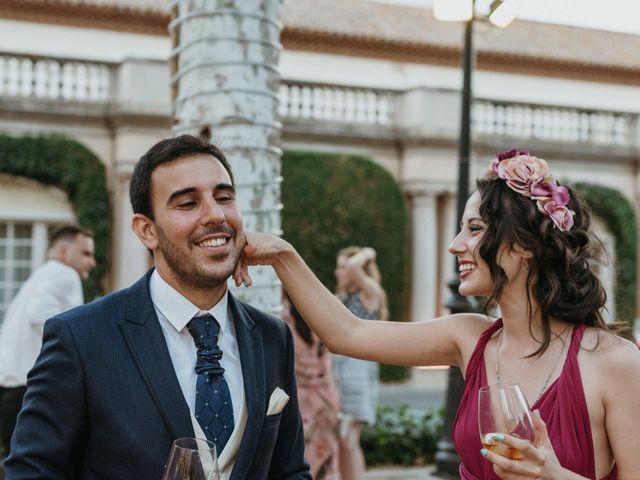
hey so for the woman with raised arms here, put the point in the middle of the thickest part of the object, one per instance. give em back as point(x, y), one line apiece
point(526, 243)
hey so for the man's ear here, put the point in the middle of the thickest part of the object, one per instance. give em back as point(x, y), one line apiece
point(60, 252)
point(145, 229)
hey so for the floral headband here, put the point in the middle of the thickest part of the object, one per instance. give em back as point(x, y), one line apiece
point(529, 176)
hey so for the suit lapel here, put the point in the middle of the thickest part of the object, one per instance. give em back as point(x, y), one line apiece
point(249, 338)
point(142, 332)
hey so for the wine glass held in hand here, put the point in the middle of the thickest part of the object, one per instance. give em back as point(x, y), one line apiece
point(192, 459)
point(503, 410)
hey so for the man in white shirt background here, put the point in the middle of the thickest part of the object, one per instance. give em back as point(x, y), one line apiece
point(52, 288)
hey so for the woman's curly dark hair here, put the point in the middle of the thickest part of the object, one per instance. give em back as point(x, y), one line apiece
point(561, 275)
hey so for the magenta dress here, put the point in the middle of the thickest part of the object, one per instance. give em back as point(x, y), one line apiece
point(562, 406)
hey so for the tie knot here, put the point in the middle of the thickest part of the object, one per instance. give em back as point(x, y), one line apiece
point(202, 328)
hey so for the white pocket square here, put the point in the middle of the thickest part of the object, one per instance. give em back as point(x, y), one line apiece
point(278, 400)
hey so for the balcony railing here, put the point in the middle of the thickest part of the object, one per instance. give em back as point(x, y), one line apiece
point(54, 79)
point(543, 122)
point(334, 103)
point(71, 80)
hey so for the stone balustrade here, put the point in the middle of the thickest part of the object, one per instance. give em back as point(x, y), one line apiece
point(133, 83)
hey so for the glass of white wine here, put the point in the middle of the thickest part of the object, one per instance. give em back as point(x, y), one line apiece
point(503, 408)
point(192, 459)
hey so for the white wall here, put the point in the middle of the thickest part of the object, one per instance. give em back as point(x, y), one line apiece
point(75, 42)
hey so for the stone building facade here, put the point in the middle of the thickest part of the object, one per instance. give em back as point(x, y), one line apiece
point(357, 77)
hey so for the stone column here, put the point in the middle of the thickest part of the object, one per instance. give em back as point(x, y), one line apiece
point(424, 245)
point(448, 230)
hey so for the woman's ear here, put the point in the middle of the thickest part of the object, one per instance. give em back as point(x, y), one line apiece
point(145, 230)
point(525, 254)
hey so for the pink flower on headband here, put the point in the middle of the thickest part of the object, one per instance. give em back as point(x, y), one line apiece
point(523, 172)
point(529, 176)
point(562, 217)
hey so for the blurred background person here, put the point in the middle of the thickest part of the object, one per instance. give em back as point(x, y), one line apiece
point(318, 396)
point(358, 287)
point(52, 288)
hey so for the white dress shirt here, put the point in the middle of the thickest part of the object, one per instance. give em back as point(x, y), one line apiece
point(52, 288)
point(174, 312)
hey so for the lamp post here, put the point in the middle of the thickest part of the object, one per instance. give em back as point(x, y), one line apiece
point(502, 13)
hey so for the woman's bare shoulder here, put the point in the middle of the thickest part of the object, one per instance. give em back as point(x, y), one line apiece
point(469, 325)
point(610, 352)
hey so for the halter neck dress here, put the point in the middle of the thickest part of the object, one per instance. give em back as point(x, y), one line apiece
point(562, 407)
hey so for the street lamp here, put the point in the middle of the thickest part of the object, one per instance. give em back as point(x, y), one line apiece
point(501, 14)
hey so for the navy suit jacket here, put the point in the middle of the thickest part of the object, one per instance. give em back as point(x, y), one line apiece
point(103, 400)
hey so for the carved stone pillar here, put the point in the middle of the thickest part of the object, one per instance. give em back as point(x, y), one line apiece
point(424, 251)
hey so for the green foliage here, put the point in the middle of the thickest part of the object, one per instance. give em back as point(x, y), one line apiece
point(66, 164)
point(401, 436)
point(618, 214)
point(394, 373)
point(334, 201)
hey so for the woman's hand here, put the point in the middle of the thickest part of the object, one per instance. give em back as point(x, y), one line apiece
point(258, 249)
point(540, 461)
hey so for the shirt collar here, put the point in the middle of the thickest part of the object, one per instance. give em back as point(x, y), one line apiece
point(178, 310)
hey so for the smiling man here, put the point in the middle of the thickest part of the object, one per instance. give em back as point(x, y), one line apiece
point(175, 355)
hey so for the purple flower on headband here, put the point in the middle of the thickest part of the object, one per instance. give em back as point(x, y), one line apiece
point(561, 216)
point(514, 152)
point(550, 189)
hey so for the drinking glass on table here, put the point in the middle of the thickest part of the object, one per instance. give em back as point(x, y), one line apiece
point(503, 408)
point(192, 459)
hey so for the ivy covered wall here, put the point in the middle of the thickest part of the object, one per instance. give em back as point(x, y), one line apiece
point(618, 214)
point(334, 201)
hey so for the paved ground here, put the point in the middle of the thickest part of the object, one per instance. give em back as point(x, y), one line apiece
point(426, 389)
point(394, 473)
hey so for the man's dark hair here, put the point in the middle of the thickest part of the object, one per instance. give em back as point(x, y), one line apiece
point(67, 232)
point(165, 151)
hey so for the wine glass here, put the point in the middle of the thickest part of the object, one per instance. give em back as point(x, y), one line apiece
point(192, 459)
point(503, 408)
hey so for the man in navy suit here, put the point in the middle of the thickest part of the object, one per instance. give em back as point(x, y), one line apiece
point(119, 379)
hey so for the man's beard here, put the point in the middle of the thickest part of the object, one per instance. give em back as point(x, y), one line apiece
point(186, 269)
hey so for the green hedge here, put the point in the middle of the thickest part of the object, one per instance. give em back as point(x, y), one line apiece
point(402, 436)
point(333, 201)
point(66, 164)
point(618, 214)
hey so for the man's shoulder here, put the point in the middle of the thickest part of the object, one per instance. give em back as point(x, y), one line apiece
point(103, 310)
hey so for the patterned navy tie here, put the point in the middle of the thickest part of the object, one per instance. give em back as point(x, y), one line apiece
point(214, 410)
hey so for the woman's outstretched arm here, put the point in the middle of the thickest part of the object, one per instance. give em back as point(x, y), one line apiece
point(442, 341)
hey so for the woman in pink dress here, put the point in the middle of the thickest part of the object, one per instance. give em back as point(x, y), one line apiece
point(526, 243)
point(317, 397)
